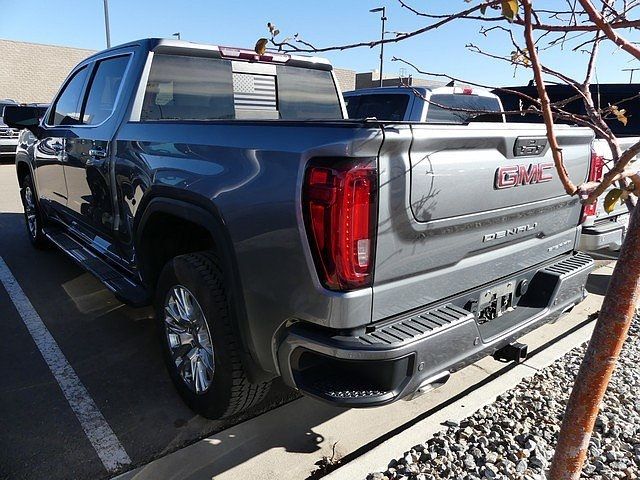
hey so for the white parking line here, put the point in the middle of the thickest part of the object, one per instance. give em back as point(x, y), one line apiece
point(96, 428)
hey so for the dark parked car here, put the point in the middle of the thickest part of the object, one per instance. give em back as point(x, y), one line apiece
point(8, 136)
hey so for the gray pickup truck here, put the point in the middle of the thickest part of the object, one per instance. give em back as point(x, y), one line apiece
point(361, 261)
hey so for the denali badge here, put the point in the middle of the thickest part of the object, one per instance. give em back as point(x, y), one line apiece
point(516, 175)
point(509, 232)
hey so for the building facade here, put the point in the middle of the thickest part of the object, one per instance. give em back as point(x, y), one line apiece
point(31, 72)
point(372, 80)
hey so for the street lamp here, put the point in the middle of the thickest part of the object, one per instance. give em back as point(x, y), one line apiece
point(177, 35)
point(383, 18)
point(106, 22)
point(631, 70)
point(397, 34)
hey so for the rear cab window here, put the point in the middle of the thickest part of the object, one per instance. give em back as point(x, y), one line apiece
point(459, 108)
point(390, 107)
point(182, 87)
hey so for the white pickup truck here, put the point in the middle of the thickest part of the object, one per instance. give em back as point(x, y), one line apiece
point(601, 229)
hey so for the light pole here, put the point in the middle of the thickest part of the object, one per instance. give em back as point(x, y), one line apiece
point(177, 35)
point(631, 70)
point(383, 18)
point(106, 23)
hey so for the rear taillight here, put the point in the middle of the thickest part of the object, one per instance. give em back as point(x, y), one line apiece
point(340, 208)
point(596, 169)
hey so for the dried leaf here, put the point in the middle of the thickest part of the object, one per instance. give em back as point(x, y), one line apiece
point(611, 199)
point(620, 114)
point(510, 9)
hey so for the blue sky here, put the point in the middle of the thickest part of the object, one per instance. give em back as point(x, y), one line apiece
point(79, 23)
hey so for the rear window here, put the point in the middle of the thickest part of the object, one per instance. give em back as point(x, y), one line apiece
point(389, 107)
point(462, 108)
point(306, 94)
point(188, 88)
point(196, 88)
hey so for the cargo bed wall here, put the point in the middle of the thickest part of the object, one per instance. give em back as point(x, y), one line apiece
point(459, 209)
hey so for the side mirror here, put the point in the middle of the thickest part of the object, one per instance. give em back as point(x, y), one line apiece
point(22, 116)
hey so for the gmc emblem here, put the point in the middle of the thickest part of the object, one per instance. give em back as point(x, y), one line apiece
point(516, 175)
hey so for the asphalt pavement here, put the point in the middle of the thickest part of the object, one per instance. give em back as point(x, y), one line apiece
point(114, 352)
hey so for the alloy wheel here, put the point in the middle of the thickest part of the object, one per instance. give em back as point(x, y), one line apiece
point(30, 212)
point(189, 339)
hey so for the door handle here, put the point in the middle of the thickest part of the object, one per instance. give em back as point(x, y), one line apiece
point(97, 153)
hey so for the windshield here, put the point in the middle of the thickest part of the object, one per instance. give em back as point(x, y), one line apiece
point(462, 108)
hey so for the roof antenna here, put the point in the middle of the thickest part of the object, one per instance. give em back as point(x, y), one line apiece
point(452, 83)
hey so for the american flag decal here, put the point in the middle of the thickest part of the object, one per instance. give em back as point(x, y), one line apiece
point(254, 92)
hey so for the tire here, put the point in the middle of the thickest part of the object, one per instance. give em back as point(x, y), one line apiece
point(33, 217)
point(229, 392)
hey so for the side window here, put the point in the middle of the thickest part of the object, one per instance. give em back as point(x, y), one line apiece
point(104, 89)
point(67, 108)
point(352, 104)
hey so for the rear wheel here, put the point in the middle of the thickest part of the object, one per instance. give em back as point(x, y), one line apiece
point(32, 213)
point(200, 347)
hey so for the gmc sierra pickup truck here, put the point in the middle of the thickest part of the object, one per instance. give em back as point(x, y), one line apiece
point(361, 261)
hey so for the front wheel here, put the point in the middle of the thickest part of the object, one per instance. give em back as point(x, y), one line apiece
point(32, 214)
point(200, 347)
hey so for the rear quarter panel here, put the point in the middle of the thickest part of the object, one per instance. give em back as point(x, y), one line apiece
point(249, 174)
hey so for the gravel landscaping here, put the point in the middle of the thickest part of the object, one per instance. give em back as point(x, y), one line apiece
point(514, 437)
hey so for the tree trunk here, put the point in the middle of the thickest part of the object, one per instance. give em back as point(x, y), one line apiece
point(612, 327)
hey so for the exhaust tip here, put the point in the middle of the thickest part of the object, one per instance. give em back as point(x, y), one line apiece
point(431, 384)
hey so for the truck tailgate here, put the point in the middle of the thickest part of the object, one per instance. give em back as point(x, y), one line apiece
point(458, 208)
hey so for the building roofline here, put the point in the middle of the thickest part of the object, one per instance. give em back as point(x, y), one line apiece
point(47, 45)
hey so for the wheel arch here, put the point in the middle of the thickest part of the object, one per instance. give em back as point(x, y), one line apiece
point(210, 221)
point(23, 168)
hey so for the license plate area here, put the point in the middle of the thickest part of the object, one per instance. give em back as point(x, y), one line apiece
point(494, 302)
